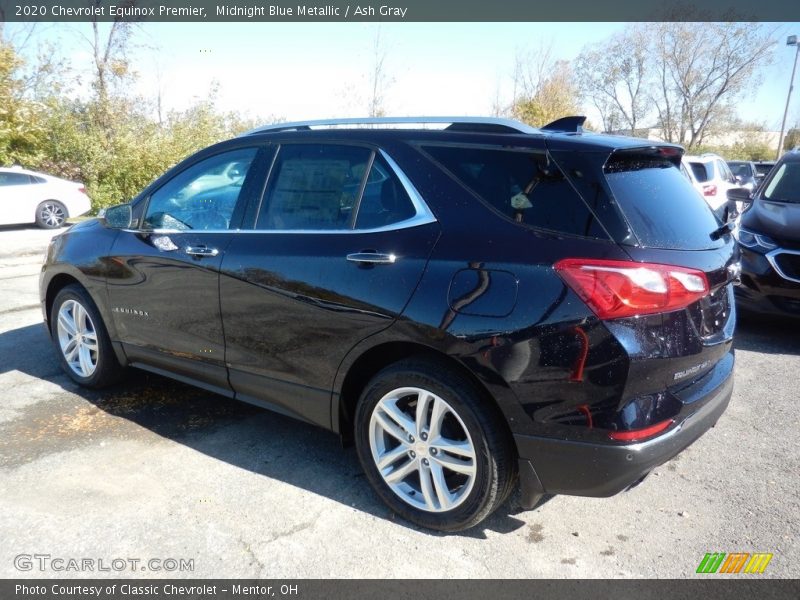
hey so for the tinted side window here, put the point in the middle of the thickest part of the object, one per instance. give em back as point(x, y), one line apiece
point(385, 200)
point(313, 186)
point(702, 172)
point(526, 187)
point(202, 196)
point(14, 179)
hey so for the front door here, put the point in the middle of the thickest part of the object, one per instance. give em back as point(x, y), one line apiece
point(163, 279)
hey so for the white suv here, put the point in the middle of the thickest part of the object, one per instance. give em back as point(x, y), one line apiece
point(711, 176)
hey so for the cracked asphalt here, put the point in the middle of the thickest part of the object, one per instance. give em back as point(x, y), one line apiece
point(154, 469)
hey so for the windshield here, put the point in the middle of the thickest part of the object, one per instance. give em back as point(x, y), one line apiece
point(659, 203)
point(784, 185)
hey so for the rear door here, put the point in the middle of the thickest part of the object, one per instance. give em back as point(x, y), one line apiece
point(163, 278)
point(337, 248)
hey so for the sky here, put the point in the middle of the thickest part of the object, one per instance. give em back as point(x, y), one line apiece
point(297, 71)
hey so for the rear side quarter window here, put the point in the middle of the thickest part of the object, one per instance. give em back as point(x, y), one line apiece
point(526, 187)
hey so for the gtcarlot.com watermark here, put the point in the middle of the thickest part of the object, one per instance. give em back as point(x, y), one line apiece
point(71, 564)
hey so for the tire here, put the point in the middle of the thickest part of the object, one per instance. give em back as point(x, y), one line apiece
point(51, 214)
point(467, 460)
point(90, 361)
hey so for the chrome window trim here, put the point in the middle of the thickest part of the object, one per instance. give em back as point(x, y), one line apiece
point(771, 259)
point(422, 216)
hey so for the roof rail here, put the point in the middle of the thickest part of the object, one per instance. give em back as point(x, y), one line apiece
point(485, 124)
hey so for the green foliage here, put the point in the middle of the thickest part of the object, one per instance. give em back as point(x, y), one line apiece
point(739, 151)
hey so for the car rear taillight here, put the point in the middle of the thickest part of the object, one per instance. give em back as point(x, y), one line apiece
point(709, 190)
point(81, 189)
point(617, 288)
point(637, 435)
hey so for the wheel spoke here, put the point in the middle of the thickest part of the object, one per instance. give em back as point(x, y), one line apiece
point(462, 449)
point(397, 475)
point(90, 342)
point(437, 416)
point(390, 427)
point(66, 321)
point(423, 401)
point(399, 417)
point(79, 315)
point(453, 464)
point(71, 349)
point(427, 486)
point(85, 361)
point(392, 456)
point(442, 493)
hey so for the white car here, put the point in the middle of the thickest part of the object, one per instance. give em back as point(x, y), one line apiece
point(711, 176)
point(30, 197)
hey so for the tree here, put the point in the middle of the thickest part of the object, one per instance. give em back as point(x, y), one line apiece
point(544, 89)
point(379, 80)
point(613, 77)
point(700, 69)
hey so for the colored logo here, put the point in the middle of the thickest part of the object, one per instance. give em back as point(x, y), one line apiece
point(737, 562)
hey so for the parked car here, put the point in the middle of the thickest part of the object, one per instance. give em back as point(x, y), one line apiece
point(763, 167)
point(745, 173)
point(769, 237)
point(477, 308)
point(710, 175)
point(31, 197)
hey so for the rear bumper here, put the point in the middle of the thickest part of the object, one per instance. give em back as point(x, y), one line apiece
point(556, 466)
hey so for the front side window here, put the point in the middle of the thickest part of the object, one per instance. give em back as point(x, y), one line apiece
point(202, 197)
point(314, 187)
point(526, 187)
point(784, 186)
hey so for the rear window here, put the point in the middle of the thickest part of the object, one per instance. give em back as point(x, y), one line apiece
point(702, 171)
point(661, 206)
point(784, 185)
point(523, 186)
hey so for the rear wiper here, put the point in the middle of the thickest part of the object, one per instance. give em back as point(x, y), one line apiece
point(722, 230)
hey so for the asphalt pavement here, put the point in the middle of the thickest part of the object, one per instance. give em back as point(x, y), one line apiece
point(203, 486)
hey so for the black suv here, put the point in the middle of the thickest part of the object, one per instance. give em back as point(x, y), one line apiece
point(769, 236)
point(475, 303)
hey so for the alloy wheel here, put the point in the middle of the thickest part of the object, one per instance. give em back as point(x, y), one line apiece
point(422, 449)
point(52, 215)
point(77, 338)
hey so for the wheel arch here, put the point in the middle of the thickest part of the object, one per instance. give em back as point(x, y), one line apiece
point(380, 356)
point(61, 280)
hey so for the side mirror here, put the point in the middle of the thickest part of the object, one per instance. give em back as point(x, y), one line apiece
point(118, 217)
point(739, 194)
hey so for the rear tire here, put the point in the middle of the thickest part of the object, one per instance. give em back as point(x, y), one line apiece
point(432, 447)
point(81, 339)
point(51, 214)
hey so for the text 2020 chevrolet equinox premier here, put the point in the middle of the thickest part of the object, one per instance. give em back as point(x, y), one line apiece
point(476, 306)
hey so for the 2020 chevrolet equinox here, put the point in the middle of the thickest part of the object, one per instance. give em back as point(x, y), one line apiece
point(475, 303)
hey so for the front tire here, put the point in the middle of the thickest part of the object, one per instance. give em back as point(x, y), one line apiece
point(51, 214)
point(81, 339)
point(432, 447)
